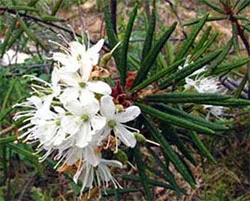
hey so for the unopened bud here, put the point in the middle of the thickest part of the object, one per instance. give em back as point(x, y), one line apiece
point(119, 108)
point(140, 138)
point(121, 156)
point(105, 59)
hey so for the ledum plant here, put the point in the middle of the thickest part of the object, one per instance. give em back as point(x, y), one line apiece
point(169, 108)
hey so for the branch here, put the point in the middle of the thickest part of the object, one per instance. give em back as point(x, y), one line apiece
point(44, 22)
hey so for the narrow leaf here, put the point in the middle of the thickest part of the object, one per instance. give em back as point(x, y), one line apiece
point(190, 40)
point(142, 175)
point(24, 8)
point(221, 57)
point(150, 181)
point(202, 41)
point(167, 174)
point(172, 136)
point(230, 66)
point(160, 74)
point(191, 68)
point(198, 120)
point(20, 150)
point(174, 119)
point(173, 157)
point(29, 33)
point(201, 147)
point(209, 19)
point(149, 36)
point(210, 41)
point(213, 6)
point(181, 97)
point(8, 94)
point(242, 6)
point(148, 62)
point(124, 49)
point(112, 37)
point(56, 7)
point(7, 139)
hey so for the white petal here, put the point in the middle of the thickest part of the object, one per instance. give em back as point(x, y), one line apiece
point(77, 48)
point(55, 76)
point(60, 137)
point(75, 107)
point(69, 94)
point(85, 69)
point(98, 123)
point(69, 124)
point(107, 108)
point(128, 115)
point(91, 157)
point(71, 79)
point(87, 97)
point(126, 136)
point(113, 163)
point(84, 135)
point(99, 87)
point(93, 52)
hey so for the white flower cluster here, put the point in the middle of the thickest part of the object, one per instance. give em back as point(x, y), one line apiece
point(74, 117)
point(204, 85)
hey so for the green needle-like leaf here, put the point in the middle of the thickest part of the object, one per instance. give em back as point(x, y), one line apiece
point(202, 41)
point(29, 33)
point(190, 40)
point(214, 64)
point(195, 119)
point(242, 6)
point(149, 36)
point(167, 174)
point(22, 151)
point(7, 139)
point(172, 136)
point(207, 44)
point(56, 7)
point(124, 49)
point(230, 66)
point(182, 97)
point(148, 62)
point(112, 37)
point(150, 181)
point(142, 175)
point(201, 147)
point(24, 8)
point(191, 68)
point(158, 75)
point(172, 119)
point(209, 19)
point(173, 157)
point(213, 6)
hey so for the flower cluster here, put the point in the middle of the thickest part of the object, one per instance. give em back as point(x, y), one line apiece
point(74, 117)
point(202, 84)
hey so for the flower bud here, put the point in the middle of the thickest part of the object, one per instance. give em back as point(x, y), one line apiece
point(121, 156)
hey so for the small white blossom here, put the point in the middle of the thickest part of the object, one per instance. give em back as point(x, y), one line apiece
point(116, 119)
point(100, 174)
point(205, 85)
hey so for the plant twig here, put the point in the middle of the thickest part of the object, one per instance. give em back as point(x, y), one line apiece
point(44, 22)
point(8, 129)
point(240, 31)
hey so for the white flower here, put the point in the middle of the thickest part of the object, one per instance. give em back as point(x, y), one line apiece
point(115, 120)
point(83, 121)
point(101, 174)
point(79, 57)
point(217, 111)
point(80, 86)
point(206, 85)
